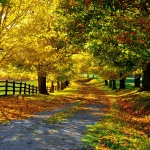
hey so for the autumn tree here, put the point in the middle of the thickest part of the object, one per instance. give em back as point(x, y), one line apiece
point(39, 46)
point(116, 31)
point(12, 13)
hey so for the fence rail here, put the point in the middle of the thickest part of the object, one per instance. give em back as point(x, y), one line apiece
point(20, 88)
point(12, 88)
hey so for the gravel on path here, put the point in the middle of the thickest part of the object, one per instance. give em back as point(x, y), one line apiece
point(36, 134)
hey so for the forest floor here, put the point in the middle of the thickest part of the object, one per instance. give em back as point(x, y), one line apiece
point(87, 115)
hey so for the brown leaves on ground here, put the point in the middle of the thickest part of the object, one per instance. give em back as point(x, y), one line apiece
point(135, 110)
point(83, 80)
point(14, 108)
point(90, 94)
point(22, 107)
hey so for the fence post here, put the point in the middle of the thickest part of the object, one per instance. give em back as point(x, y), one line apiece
point(20, 88)
point(29, 88)
point(36, 88)
point(32, 89)
point(13, 87)
point(6, 88)
point(25, 85)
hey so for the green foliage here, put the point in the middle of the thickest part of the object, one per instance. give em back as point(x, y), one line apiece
point(114, 134)
point(111, 31)
point(4, 2)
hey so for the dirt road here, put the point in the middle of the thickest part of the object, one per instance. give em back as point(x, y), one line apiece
point(37, 134)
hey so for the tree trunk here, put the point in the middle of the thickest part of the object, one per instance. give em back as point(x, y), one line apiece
point(137, 81)
point(114, 84)
point(110, 83)
point(52, 87)
point(42, 84)
point(62, 86)
point(87, 75)
point(58, 86)
point(146, 78)
point(106, 82)
point(122, 82)
point(93, 76)
point(67, 83)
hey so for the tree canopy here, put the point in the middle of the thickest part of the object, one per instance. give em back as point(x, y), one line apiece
point(44, 35)
point(115, 32)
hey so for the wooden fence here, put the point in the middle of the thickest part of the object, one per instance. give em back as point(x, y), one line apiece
point(20, 88)
point(12, 88)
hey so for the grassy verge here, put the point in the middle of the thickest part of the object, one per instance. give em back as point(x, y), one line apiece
point(127, 123)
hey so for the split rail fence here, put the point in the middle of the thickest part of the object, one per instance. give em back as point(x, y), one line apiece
point(20, 88)
point(13, 88)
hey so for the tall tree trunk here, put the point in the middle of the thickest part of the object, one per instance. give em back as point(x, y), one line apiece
point(146, 78)
point(114, 84)
point(87, 75)
point(42, 83)
point(137, 80)
point(106, 82)
point(110, 83)
point(122, 82)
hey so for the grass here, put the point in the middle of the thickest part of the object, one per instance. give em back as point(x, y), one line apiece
point(126, 125)
point(17, 87)
point(113, 134)
point(129, 82)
